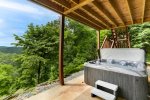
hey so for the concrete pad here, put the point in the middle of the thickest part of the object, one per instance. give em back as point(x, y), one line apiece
point(74, 89)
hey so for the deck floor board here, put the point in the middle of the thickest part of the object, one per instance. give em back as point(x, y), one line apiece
point(74, 89)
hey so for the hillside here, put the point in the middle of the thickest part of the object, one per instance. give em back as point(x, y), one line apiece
point(5, 49)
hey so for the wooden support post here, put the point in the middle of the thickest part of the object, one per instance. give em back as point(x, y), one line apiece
point(61, 47)
point(128, 38)
point(98, 44)
point(129, 45)
point(98, 39)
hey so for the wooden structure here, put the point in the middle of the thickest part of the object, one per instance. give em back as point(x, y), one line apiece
point(61, 46)
point(102, 14)
point(98, 14)
point(117, 39)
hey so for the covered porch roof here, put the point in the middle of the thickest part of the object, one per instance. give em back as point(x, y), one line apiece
point(98, 14)
point(101, 14)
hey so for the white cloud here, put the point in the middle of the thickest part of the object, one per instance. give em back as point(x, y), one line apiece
point(2, 34)
point(1, 21)
point(19, 7)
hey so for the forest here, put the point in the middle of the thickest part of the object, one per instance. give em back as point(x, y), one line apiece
point(36, 59)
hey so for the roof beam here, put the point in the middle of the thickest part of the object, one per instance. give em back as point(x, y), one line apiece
point(112, 4)
point(86, 16)
point(143, 10)
point(63, 3)
point(50, 5)
point(75, 1)
point(82, 20)
point(78, 12)
point(96, 16)
point(77, 6)
point(106, 13)
point(129, 9)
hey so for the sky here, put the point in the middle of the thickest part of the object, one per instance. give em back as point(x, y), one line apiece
point(16, 15)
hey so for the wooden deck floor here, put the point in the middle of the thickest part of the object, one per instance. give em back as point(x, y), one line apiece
point(74, 89)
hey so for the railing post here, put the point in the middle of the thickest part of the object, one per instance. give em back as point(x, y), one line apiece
point(129, 44)
point(98, 40)
point(61, 49)
point(128, 37)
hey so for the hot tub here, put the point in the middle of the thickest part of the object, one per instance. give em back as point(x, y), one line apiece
point(132, 82)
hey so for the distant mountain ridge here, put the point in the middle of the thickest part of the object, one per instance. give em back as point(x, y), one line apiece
point(6, 49)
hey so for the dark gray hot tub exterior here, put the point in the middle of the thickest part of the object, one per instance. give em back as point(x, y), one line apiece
point(131, 87)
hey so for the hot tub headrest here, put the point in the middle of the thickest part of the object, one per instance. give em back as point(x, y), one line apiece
point(131, 54)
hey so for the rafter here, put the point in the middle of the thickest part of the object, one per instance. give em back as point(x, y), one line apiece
point(129, 9)
point(112, 4)
point(85, 8)
point(49, 5)
point(143, 10)
point(86, 16)
point(77, 6)
point(75, 1)
point(79, 12)
point(63, 3)
point(105, 13)
point(96, 16)
point(82, 20)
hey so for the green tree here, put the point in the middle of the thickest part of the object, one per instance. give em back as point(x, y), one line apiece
point(140, 37)
point(39, 61)
point(7, 78)
point(80, 46)
point(40, 47)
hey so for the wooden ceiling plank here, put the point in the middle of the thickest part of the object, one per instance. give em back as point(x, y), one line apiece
point(75, 1)
point(129, 9)
point(86, 16)
point(143, 11)
point(63, 3)
point(58, 8)
point(82, 20)
point(97, 16)
point(49, 5)
point(82, 14)
point(99, 7)
point(87, 19)
point(112, 4)
point(91, 12)
point(77, 6)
